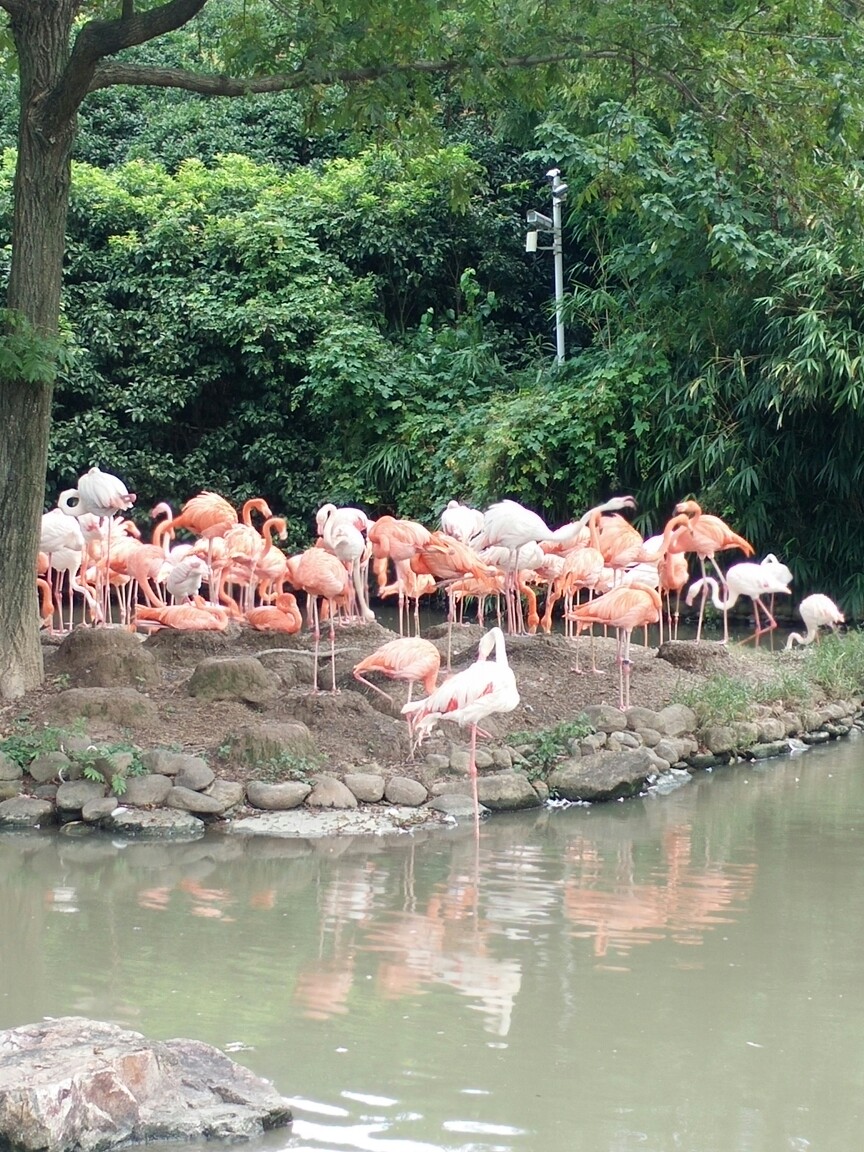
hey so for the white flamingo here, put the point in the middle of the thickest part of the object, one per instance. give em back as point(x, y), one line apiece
point(816, 610)
point(482, 689)
point(745, 579)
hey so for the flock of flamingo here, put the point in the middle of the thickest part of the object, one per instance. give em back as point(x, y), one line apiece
point(88, 549)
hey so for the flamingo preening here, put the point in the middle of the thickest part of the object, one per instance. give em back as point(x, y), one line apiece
point(483, 689)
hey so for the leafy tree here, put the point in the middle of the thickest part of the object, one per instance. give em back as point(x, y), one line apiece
point(378, 54)
point(768, 97)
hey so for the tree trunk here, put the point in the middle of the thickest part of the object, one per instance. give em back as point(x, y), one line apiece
point(42, 36)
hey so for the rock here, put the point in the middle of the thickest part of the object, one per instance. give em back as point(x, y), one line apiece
point(277, 797)
point(328, 792)
point(155, 823)
point(188, 800)
point(675, 720)
point(719, 739)
point(618, 740)
point(94, 810)
point(170, 645)
point(309, 825)
point(455, 804)
point(123, 707)
point(26, 812)
point(704, 658)
point(746, 733)
point(195, 774)
point(638, 718)
point(229, 793)
point(766, 751)
point(649, 736)
point(49, 766)
point(72, 796)
point(603, 776)
point(114, 767)
point(9, 788)
point(771, 729)
point(507, 791)
point(149, 791)
point(233, 678)
point(270, 743)
point(605, 718)
point(402, 790)
point(9, 770)
point(106, 658)
point(163, 762)
point(368, 787)
point(76, 1085)
point(702, 760)
point(671, 750)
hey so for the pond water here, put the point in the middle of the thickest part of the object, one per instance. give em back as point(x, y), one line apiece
point(678, 972)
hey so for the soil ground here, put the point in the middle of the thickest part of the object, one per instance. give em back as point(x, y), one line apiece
point(357, 728)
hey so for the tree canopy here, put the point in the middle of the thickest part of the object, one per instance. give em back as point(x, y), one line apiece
point(271, 253)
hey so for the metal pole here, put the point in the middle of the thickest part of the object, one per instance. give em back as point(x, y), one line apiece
point(558, 254)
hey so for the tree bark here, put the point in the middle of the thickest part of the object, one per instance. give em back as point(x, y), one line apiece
point(41, 196)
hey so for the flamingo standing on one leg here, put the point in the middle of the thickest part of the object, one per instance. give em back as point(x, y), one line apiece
point(482, 689)
point(816, 610)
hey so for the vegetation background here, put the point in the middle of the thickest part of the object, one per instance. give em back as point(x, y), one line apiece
point(324, 294)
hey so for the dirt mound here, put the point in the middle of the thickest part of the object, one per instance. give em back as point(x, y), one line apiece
point(359, 727)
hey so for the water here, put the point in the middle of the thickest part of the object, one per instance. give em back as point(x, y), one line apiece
point(680, 972)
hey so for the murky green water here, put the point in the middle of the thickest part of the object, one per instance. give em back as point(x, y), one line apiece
point(682, 972)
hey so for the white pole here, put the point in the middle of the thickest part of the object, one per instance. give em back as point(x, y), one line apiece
point(558, 254)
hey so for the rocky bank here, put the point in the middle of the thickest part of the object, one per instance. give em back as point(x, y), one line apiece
point(174, 733)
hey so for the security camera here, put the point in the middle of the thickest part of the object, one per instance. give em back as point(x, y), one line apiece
point(559, 190)
point(539, 220)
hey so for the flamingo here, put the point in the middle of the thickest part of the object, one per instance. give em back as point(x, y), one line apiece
point(409, 658)
point(624, 608)
point(512, 526)
point(282, 615)
point(197, 617)
point(183, 577)
point(482, 689)
point(816, 610)
point(691, 530)
point(449, 559)
point(746, 579)
point(461, 522)
point(347, 542)
point(99, 494)
point(319, 573)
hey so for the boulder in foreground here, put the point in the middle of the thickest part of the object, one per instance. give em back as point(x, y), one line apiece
point(77, 1085)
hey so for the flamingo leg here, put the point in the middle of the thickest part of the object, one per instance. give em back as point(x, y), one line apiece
point(472, 768)
point(316, 631)
point(380, 691)
point(333, 687)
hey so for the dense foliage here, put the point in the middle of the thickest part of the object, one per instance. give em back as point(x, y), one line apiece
point(269, 295)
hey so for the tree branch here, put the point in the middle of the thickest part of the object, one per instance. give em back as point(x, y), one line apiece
point(100, 38)
point(107, 75)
